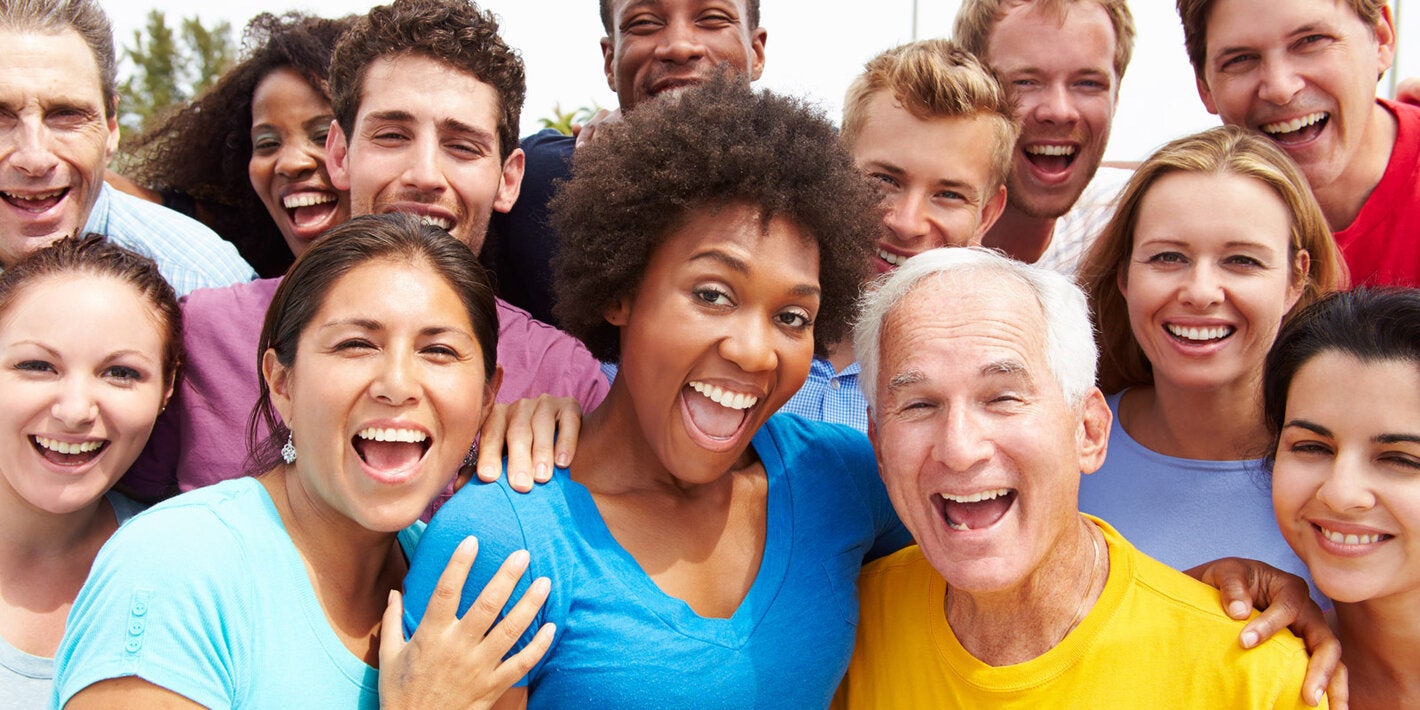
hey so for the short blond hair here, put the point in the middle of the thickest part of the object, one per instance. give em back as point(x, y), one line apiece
point(934, 78)
point(976, 19)
point(1223, 150)
point(1194, 16)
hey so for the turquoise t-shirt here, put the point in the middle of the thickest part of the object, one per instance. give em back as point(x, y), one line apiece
point(205, 595)
point(622, 643)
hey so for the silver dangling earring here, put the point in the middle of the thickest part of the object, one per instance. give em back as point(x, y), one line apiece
point(471, 457)
point(288, 449)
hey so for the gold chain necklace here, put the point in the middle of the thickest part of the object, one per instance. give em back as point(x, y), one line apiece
point(1094, 575)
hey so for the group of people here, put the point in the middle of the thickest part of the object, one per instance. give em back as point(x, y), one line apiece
point(794, 415)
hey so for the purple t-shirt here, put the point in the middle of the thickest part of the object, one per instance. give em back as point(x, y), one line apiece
point(201, 438)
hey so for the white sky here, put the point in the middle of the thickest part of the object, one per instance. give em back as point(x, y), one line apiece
point(815, 48)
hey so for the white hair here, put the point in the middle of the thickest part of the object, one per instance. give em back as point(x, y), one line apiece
point(1070, 350)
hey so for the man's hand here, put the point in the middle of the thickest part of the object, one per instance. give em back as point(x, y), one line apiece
point(1408, 91)
point(587, 132)
point(532, 431)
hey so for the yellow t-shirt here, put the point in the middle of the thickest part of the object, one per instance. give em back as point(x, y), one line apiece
point(1155, 638)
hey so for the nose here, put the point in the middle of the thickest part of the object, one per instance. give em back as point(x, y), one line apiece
point(76, 406)
point(1055, 105)
point(680, 43)
point(1202, 286)
point(32, 152)
point(907, 217)
point(397, 380)
point(963, 443)
point(749, 343)
point(423, 171)
point(1345, 488)
point(1280, 82)
point(295, 161)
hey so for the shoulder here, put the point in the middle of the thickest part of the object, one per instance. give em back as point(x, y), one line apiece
point(804, 447)
point(190, 254)
point(538, 358)
point(549, 144)
point(243, 298)
point(194, 528)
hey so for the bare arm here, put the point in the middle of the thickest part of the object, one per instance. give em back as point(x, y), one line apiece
point(128, 692)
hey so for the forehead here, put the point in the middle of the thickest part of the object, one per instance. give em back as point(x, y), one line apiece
point(1248, 22)
point(61, 61)
point(956, 324)
point(622, 7)
point(959, 148)
point(738, 231)
point(1030, 36)
point(423, 88)
point(53, 303)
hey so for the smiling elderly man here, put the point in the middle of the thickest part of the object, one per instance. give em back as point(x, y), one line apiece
point(981, 374)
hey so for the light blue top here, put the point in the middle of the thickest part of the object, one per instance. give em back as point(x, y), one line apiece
point(189, 255)
point(205, 595)
point(1184, 512)
point(27, 680)
point(831, 396)
point(623, 643)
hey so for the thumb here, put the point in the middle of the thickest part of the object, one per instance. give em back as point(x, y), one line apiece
point(392, 630)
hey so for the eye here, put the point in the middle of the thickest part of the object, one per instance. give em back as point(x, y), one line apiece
point(389, 137)
point(1310, 448)
point(716, 20)
point(1167, 257)
point(1024, 83)
point(34, 366)
point(642, 25)
point(952, 195)
point(795, 319)
point(1236, 62)
point(466, 149)
point(319, 137)
point(1312, 41)
point(354, 344)
point(1401, 459)
point(1244, 260)
point(441, 351)
point(713, 296)
point(885, 179)
point(123, 373)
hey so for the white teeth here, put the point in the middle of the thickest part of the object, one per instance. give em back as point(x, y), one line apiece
point(976, 497)
point(1056, 150)
point(723, 397)
point(1295, 124)
point(439, 222)
point(410, 436)
point(891, 258)
point(35, 198)
point(65, 447)
point(1343, 539)
point(1209, 333)
point(307, 199)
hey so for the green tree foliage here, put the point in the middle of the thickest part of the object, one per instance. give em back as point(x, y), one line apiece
point(168, 65)
point(562, 120)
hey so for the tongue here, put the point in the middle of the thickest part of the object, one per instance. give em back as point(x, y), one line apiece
point(67, 459)
point(390, 455)
point(1050, 163)
point(710, 418)
point(977, 515)
point(313, 214)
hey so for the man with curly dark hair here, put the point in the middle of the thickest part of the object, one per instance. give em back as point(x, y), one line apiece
point(650, 48)
point(701, 549)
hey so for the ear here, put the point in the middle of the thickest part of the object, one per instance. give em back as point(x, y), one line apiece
point(757, 37)
point(1298, 283)
point(278, 380)
point(111, 142)
point(510, 185)
point(619, 313)
point(1385, 40)
point(1206, 94)
point(873, 438)
point(337, 152)
point(490, 394)
point(609, 62)
point(990, 212)
point(1092, 437)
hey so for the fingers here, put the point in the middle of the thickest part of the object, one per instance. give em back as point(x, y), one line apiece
point(507, 632)
point(490, 448)
point(569, 427)
point(1322, 674)
point(544, 426)
point(444, 600)
point(494, 596)
point(522, 662)
point(1338, 691)
point(518, 441)
point(392, 630)
point(1233, 581)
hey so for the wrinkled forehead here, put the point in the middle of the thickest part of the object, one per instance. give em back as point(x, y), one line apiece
point(969, 313)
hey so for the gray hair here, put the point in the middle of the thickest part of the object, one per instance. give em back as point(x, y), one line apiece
point(1069, 338)
point(82, 16)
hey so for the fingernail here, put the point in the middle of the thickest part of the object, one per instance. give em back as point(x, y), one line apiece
point(1249, 639)
point(541, 585)
point(519, 558)
point(562, 460)
point(466, 545)
point(1237, 610)
point(522, 479)
point(390, 600)
point(542, 471)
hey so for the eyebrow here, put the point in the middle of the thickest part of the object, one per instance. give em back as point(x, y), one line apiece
point(1008, 367)
point(1234, 244)
point(905, 379)
point(374, 325)
point(1379, 438)
point(1303, 29)
point(739, 266)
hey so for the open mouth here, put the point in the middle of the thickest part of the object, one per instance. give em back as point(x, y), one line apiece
point(391, 454)
point(1208, 334)
point(976, 510)
point(1297, 130)
point(893, 259)
point(36, 202)
point(311, 211)
point(1051, 158)
point(68, 453)
point(718, 415)
point(1350, 539)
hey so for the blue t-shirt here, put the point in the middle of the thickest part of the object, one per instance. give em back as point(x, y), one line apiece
point(1184, 512)
point(205, 595)
point(621, 642)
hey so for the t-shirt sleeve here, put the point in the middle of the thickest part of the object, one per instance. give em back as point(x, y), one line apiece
point(861, 468)
point(162, 603)
point(484, 511)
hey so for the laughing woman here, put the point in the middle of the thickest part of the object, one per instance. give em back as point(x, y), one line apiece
point(270, 591)
point(703, 553)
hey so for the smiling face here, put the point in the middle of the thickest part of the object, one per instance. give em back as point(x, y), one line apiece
point(290, 122)
point(385, 394)
point(425, 142)
point(55, 140)
point(1062, 79)
point(661, 45)
point(1346, 484)
point(1303, 73)
point(79, 401)
point(1207, 288)
point(979, 449)
point(936, 178)
point(718, 335)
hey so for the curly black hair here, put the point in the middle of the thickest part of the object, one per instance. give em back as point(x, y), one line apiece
point(717, 144)
point(202, 151)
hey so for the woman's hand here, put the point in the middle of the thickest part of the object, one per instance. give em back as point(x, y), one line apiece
point(1285, 602)
point(454, 662)
point(531, 430)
